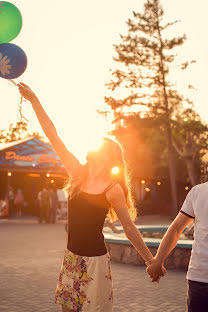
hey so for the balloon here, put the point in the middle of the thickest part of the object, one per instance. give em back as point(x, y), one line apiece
point(13, 61)
point(10, 21)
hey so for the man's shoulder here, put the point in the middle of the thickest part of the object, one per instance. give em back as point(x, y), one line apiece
point(200, 186)
point(199, 189)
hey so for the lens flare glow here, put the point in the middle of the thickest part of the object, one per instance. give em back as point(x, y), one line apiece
point(115, 170)
point(96, 145)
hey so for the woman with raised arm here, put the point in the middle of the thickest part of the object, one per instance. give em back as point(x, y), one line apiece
point(85, 282)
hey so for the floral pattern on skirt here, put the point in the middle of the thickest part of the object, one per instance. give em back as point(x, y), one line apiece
point(85, 283)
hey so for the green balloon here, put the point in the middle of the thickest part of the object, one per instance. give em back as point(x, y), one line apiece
point(10, 21)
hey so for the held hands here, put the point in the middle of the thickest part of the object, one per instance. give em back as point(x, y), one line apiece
point(26, 92)
point(156, 270)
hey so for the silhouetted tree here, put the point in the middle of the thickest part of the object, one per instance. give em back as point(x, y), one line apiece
point(144, 57)
point(190, 137)
point(17, 132)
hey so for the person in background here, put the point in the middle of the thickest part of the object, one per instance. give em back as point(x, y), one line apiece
point(19, 202)
point(10, 197)
point(38, 203)
point(44, 202)
point(53, 205)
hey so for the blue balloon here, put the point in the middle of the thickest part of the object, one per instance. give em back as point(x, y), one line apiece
point(13, 61)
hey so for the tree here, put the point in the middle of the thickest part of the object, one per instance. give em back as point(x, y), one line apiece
point(17, 132)
point(145, 146)
point(144, 57)
point(190, 139)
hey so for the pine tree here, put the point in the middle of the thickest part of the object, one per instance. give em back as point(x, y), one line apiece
point(144, 57)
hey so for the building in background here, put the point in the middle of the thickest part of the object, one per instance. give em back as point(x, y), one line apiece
point(29, 165)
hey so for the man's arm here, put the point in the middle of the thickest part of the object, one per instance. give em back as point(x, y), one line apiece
point(167, 244)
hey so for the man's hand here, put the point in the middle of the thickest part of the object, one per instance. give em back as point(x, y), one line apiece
point(169, 241)
point(156, 270)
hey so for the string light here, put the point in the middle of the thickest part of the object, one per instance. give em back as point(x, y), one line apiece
point(158, 183)
point(115, 170)
point(47, 175)
point(147, 189)
point(33, 175)
point(186, 188)
point(9, 174)
point(52, 181)
point(143, 182)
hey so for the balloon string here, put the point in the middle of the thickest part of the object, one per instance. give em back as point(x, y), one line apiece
point(22, 117)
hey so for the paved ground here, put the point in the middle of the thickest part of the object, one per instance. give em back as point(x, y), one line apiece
point(30, 259)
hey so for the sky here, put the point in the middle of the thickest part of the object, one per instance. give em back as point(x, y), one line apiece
point(69, 46)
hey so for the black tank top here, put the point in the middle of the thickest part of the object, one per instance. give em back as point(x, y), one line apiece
point(86, 216)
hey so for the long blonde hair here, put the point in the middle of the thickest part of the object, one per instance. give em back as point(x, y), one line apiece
point(116, 159)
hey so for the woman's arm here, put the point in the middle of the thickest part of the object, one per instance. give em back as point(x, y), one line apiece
point(69, 161)
point(117, 199)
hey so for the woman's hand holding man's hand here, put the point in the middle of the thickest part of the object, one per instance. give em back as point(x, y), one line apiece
point(156, 270)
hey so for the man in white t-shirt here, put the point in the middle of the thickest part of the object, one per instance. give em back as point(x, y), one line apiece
point(194, 207)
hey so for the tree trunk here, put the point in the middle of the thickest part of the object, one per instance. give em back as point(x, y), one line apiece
point(173, 184)
point(191, 171)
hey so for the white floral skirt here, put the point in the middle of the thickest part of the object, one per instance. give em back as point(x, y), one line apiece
point(85, 283)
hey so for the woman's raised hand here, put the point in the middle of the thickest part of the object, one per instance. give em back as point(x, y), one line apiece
point(26, 92)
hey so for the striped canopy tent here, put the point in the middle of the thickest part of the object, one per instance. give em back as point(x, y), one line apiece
point(31, 155)
point(30, 165)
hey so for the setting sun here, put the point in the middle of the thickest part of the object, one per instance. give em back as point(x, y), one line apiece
point(115, 170)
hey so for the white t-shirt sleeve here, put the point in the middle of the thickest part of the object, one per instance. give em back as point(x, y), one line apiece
point(187, 207)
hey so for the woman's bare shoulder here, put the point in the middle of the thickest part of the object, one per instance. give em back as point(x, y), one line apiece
point(115, 193)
